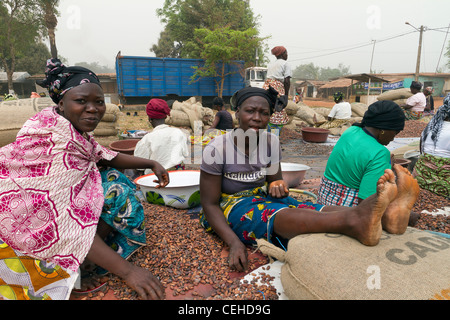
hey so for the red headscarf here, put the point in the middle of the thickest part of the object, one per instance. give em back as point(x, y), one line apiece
point(157, 109)
point(278, 51)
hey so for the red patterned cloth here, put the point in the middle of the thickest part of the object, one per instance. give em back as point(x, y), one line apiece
point(278, 118)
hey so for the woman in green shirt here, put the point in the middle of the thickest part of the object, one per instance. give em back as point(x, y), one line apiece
point(360, 156)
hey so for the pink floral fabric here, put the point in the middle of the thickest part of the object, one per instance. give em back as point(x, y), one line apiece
point(51, 196)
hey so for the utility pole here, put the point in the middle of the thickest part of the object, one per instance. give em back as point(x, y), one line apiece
point(419, 54)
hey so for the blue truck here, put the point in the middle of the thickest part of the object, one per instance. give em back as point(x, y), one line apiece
point(140, 79)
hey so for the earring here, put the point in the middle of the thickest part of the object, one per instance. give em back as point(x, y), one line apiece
point(382, 132)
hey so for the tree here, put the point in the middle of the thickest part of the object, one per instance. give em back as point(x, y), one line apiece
point(34, 61)
point(219, 48)
point(312, 72)
point(19, 27)
point(183, 17)
point(50, 14)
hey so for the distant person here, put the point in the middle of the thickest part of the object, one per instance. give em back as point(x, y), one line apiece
point(429, 109)
point(166, 145)
point(223, 120)
point(339, 114)
point(279, 76)
point(298, 95)
point(415, 105)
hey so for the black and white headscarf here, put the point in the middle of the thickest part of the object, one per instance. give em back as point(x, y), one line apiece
point(435, 125)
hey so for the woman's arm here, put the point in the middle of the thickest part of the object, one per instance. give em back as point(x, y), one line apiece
point(215, 123)
point(287, 85)
point(211, 191)
point(125, 161)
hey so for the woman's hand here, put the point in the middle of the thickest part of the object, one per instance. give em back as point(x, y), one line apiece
point(161, 174)
point(144, 283)
point(278, 189)
point(237, 258)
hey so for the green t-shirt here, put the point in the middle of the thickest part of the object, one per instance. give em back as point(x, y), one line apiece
point(358, 161)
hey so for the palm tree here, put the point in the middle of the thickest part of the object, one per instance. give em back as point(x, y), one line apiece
point(50, 13)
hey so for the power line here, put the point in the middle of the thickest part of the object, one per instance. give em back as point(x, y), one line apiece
point(356, 47)
point(443, 46)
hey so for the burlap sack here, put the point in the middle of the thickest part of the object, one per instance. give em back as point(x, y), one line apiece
point(412, 266)
point(292, 108)
point(359, 109)
point(308, 115)
point(112, 113)
point(403, 93)
point(178, 118)
point(323, 111)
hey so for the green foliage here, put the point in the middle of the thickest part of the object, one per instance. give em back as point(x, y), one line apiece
point(312, 72)
point(220, 47)
point(34, 61)
point(183, 17)
point(21, 23)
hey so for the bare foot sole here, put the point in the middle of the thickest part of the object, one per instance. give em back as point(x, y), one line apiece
point(397, 215)
point(373, 208)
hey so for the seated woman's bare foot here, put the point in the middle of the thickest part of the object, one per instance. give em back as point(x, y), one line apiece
point(371, 210)
point(397, 215)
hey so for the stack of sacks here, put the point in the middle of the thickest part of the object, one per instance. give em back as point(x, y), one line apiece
point(109, 125)
point(190, 114)
point(303, 116)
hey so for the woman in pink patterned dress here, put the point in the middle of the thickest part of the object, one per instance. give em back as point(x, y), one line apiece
point(52, 197)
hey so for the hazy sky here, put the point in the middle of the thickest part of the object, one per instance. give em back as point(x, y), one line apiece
point(324, 32)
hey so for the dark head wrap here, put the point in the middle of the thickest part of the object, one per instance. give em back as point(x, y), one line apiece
point(434, 127)
point(60, 79)
point(276, 103)
point(416, 85)
point(384, 115)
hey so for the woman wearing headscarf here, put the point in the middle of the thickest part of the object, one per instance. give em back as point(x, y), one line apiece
point(279, 76)
point(58, 207)
point(166, 145)
point(415, 105)
point(432, 170)
point(244, 197)
point(339, 114)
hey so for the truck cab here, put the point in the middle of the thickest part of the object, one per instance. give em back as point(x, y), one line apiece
point(255, 77)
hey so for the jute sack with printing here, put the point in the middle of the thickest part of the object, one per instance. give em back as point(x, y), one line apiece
point(412, 266)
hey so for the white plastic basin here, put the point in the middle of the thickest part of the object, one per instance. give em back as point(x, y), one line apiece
point(183, 191)
point(293, 173)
